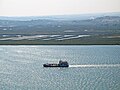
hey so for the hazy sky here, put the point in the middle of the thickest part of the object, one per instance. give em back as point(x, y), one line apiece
point(56, 7)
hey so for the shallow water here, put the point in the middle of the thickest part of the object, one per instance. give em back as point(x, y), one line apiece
point(91, 68)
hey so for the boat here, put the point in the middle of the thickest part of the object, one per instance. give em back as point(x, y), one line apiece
point(60, 64)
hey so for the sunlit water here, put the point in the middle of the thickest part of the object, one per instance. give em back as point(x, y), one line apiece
point(91, 68)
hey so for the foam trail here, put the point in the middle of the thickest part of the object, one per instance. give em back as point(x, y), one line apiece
point(93, 65)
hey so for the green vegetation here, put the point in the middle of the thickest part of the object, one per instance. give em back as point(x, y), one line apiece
point(91, 40)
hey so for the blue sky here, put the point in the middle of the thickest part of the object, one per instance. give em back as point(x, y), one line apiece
point(56, 7)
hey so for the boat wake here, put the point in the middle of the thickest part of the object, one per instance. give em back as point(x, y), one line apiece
point(93, 65)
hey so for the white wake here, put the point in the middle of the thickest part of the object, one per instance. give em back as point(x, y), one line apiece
point(93, 65)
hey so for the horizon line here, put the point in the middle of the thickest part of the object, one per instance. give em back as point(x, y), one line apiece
point(56, 14)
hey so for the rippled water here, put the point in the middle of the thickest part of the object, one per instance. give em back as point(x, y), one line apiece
point(91, 68)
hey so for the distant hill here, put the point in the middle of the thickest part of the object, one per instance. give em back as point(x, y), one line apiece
point(98, 25)
point(86, 29)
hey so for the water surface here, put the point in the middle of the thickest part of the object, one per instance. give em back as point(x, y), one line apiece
point(91, 68)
